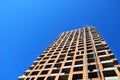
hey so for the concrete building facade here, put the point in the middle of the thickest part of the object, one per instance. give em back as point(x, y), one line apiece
point(80, 54)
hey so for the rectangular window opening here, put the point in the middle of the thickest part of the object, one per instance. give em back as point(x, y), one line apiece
point(53, 57)
point(91, 67)
point(42, 62)
point(48, 66)
point(58, 65)
point(44, 72)
point(92, 75)
point(56, 71)
point(45, 58)
point(79, 57)
point(101, 53)
point(51, 78)
point(71, 54)
point(78, 68)
point(106, 65)
point(34, 73)
point(105, 58)
point(77, 76)
point(60, 60)
point(40, 78)
point(78, 62)
point(68, 64)
point(90, 60)
point(62, 56)
point(63, 77)
point(109, 73)
point(51, 61)
point(66, 70)
point(90, 56)
point(70, 58)
point(89, 51)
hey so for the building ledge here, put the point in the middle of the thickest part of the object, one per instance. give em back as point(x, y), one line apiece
point(106, 61)
point(23, 76)
point(112, 78)
point(109, 68)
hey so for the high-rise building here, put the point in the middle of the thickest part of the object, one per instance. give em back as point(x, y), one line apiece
point(80, 54)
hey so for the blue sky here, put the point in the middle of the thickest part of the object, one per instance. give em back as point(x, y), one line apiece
point(27, 27)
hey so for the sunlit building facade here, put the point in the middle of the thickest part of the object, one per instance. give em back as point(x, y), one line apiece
point(80, 54)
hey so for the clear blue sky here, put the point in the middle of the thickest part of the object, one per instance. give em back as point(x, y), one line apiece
point(27, 27)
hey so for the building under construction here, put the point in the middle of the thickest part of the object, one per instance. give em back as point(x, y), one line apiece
point(80, 54)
